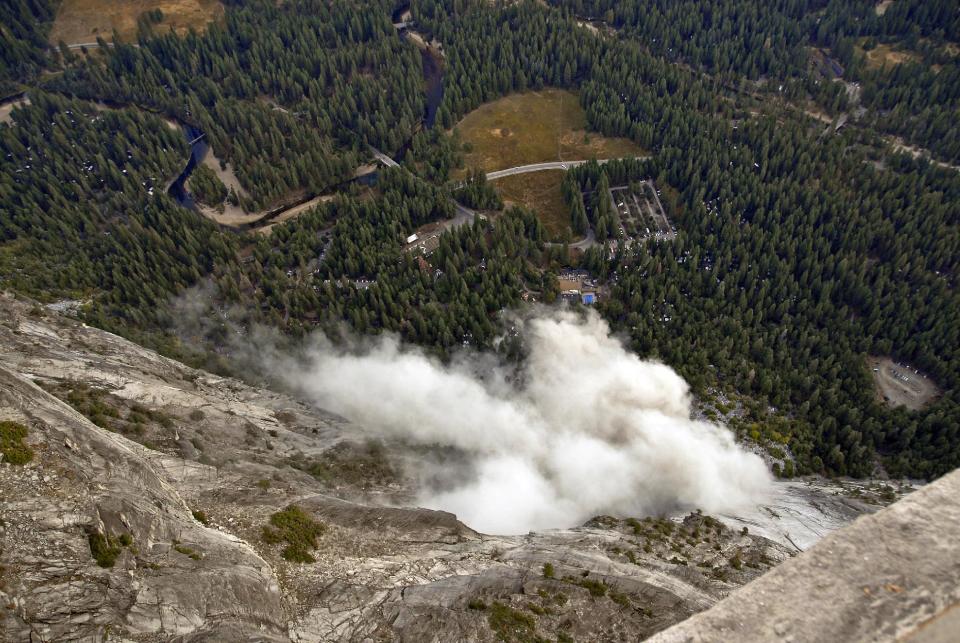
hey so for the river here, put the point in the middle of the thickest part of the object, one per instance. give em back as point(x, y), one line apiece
point(433, 76)
point(432, 68)
point(198, 150)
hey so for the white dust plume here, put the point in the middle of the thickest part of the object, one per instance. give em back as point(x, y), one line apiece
point(593, 430)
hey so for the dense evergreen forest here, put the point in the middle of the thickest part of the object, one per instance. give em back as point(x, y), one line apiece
point(771, 43)
point(85, 210)
point(798, 252)
point(288, 94)
point(23, 40)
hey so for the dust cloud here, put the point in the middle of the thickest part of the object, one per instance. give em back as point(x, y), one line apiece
point(593, 429)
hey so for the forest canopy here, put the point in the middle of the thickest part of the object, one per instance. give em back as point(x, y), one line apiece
point(803, 244)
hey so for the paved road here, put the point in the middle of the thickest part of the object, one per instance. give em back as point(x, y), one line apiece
point(88, 45)
point(552, 165)
point(466, 215)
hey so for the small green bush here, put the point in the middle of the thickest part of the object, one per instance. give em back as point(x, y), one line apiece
point(511, 625)
point(538, 610)
point(477, 604)
point(736, 562)
point(596, 588)
point(12, 446)
point(105, 548)
point(90, 403)
point(187, 551)
point(298, 530)
point(548, 571)
point(620, 599)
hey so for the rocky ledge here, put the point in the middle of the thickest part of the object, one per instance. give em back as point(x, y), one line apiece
point(160, 503)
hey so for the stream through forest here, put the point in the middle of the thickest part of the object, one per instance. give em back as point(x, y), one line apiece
point(432, 69)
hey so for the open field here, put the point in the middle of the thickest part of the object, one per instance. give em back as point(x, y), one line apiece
point(81, 21)
point(887, 55)
point(539, 191)
point(535, 127)
point(901, 385)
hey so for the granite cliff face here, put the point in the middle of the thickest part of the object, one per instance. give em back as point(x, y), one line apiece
point(141, 517)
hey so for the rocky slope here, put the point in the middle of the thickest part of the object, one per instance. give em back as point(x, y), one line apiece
point(141, 517)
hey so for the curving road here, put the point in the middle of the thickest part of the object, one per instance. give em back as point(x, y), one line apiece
point(466, 215)
point(551, 165)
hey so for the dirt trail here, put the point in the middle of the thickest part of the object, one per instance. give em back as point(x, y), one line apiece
point(6, 109)
point(294, 212)
point(902, 147)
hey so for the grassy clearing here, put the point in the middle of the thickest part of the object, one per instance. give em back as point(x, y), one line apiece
point(81, 21)
point(885, 55)
point(539, 191)
point(535, 127)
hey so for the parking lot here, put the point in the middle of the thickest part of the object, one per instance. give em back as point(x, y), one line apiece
point(640, 212)
point(900, 384)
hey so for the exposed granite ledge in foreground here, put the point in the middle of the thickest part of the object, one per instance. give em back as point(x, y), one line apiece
point(893, 575)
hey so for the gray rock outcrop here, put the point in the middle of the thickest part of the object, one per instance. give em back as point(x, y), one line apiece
point(890, 576)
point(170, 474)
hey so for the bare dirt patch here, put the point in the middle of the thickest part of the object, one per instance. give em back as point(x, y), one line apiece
point(898, 384)
point(232, 216)
point(82, 21)
point(900, 146)
point(294, 212)
point(6, 109)
point(589, 27)
point(224, 172)
point(887, 55)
